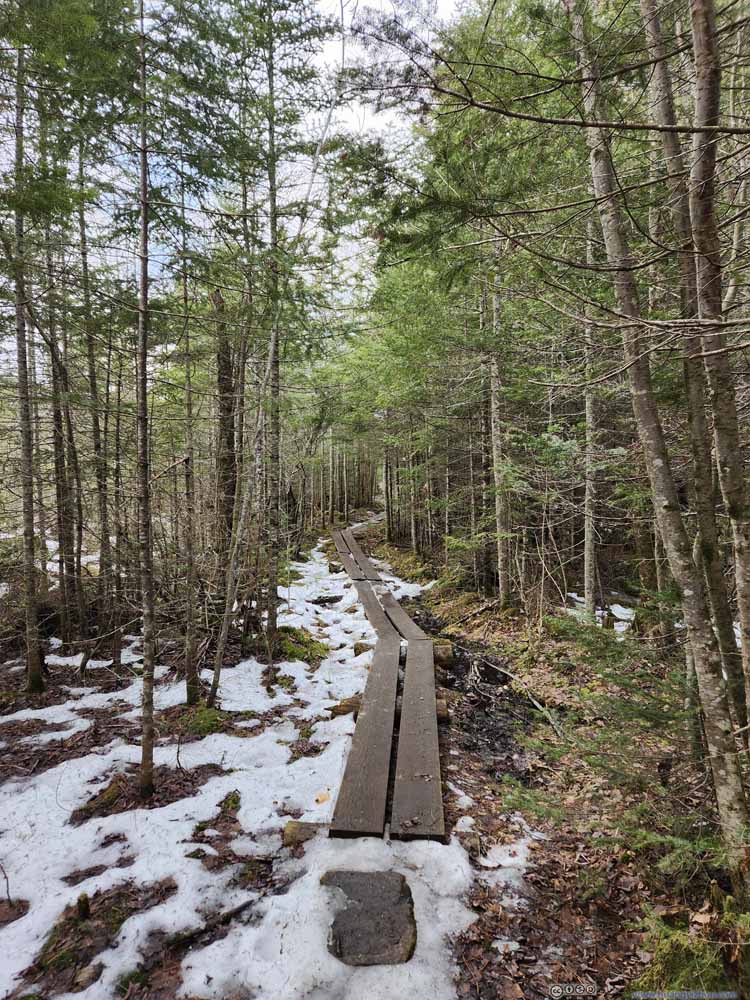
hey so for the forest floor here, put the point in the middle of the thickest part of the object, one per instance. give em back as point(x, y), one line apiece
point(596, 901)
point(197, 896)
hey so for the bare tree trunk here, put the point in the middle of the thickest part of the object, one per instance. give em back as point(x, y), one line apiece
point(274, 422)
point(119, 596)
point(412, 499)
point(501, 524)
point(700, 438)
point(41, 516)
point(226, 459)
point(144, 486)
point(192, 681)
point(589, 501)
point(705, 233)
point(331, 497)
point(74, 485)
point(100, 463)
point(727, 776)
point(34, 679)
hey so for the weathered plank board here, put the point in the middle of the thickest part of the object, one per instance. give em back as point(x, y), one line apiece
point(354, 571)
point(375, 614)
point(338, 540)
point(369, 571)
point(346, 558)
point(417, 809)
point(360, 807)
point(408, 628)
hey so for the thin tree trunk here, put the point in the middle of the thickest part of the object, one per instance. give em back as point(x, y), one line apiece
point(700, 438)
point(192, 681)
point(100, 463)
point(144, 486)
point(727, 776)
point(274, 422)
point(589, 502)
point(226, 460)
point(34, 679)
point(705, 233)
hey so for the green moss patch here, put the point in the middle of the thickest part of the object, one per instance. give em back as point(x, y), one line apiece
point(682, 960)
point(298, 644)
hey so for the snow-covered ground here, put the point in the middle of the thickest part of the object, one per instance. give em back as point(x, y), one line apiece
point(279, 950)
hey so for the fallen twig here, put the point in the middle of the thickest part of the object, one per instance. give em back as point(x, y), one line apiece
point(472, 614)
point(7, 884)
point(519, 680)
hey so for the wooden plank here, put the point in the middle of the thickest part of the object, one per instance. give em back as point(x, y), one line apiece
point(417, 794)
point(351, 567)
point(375, 614)
point(369, 571)
point(408, 628)
point(360, 807)
point(346, 558)
point(341, 547)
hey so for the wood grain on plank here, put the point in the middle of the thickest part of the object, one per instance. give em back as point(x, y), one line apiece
point(408, 628)
point(375, 614)
point(346, 558)
point(417, 809)
point(360, 807)
point(370, 573)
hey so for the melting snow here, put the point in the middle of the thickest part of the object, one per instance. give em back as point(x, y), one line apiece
point(281, 952)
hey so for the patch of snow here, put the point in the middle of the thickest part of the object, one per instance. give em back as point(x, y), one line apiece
point(464, 823)
point(621, 612)
point(463, 801)
point(283, 954)
point(506, 864)
point(505, 947)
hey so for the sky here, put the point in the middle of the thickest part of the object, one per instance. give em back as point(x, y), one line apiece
point(357, 116)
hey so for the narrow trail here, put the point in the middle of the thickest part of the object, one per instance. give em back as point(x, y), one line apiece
point(413, 771)
point(216, 844)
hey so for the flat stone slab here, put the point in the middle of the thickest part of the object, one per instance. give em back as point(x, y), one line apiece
point(377, 926)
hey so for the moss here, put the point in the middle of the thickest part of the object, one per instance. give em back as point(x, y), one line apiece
point(104, 800)
point(114, 917)
point(305, 731)
point(231, 803)
point(681, 960)
point(405, 563)
point(298, 644)
point(287, 682)
point(135, 977)
point(201, 720)
point(61, 960)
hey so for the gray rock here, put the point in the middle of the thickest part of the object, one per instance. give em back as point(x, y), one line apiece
point(326, 600)
point(377, 926)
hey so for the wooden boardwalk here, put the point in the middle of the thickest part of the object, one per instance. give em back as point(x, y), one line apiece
point(417, 802)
